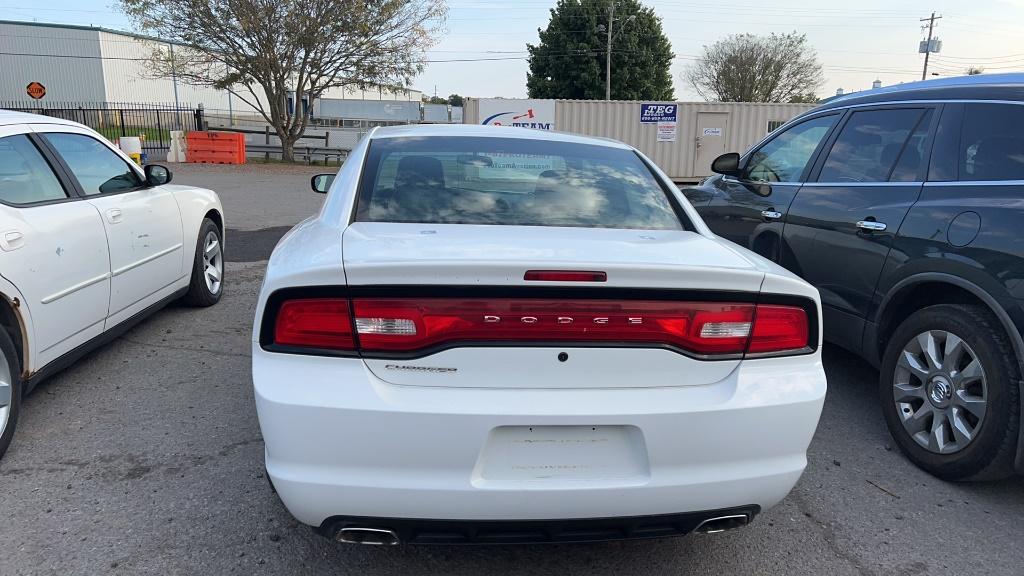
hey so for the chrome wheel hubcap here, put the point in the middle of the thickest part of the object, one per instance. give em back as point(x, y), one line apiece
point(940, 391)
point(213, 262)
point(6, 392)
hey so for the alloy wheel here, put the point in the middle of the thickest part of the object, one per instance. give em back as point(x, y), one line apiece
point(940, 391)
point(213, 262)
point(6, 392)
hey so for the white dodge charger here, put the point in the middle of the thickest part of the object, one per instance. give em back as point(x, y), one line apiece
point(507, 335)
point(89, 245)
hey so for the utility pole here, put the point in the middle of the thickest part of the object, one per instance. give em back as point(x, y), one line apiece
point(608, 58)
point(928, 43)
point(611, 40)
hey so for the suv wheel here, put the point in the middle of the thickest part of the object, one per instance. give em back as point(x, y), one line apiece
point(10, 390)
point(949, 389)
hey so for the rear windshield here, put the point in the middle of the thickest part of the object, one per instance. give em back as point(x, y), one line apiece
point(510, 181)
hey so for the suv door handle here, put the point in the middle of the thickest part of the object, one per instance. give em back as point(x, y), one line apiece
point(11, 240)
point(771, 214)
point(871, 225)
point(114, 215)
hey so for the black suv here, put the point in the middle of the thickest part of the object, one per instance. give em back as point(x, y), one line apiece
point(904, 206)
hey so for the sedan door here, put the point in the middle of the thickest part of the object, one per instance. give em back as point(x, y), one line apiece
point(841, 224)
point(52, 247)
point(143, 223)
point(751, 210)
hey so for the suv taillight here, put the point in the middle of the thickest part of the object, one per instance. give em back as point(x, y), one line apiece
point(401, 325)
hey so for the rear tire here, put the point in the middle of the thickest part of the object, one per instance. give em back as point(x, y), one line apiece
point(949, 387)
point(207, 283)
point(10, 390)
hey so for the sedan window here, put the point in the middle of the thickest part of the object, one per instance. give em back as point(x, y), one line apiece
point(98, 169)
point(25, 177)
point(511, 181)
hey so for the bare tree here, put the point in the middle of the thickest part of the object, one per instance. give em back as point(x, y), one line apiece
point(748, 68)
point(974, 70)
point(265, 51)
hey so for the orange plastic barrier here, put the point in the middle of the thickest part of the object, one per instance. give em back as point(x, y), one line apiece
point(215, 147)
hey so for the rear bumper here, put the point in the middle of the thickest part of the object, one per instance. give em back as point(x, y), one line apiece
point(342, 443)
point(425, 531)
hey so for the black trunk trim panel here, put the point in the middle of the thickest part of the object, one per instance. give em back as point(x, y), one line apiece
point(448, 532)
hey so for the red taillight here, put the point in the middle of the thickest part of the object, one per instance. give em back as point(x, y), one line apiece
point(315, 323)
point(779, 328)
point(411, 325)
point(565, 276)
point(423, 323)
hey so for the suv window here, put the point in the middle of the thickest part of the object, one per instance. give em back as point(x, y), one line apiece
point(992, 142)
point(510, 181)
point(785, 156)
point(871, 143)
point(25, 176)
point(98, 169)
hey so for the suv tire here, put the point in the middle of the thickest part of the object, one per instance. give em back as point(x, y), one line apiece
point(949, 386)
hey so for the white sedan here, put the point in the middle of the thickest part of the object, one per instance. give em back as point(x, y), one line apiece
point(509, 335)
point(89, 245)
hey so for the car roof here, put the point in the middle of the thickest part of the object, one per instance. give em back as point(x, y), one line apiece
point(478, 130)
point(8, 117)
point(1006, 87)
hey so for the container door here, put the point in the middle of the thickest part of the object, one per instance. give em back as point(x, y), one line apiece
point(709, 142)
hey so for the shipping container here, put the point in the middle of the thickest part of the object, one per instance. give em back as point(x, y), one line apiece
point(435, 113)
point(384, 110)
point(680, 137)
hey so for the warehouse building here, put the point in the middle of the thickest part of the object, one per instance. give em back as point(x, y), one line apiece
point(84, 64)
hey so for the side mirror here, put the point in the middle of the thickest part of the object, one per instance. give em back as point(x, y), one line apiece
point(727, 164)
point(321, 183)
point(157, 175)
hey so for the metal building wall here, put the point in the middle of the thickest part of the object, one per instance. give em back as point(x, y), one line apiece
point(620, 120)
point(127, 78)
point(78, 79)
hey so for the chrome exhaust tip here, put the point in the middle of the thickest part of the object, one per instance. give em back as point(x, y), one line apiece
point(368, 536)
point(722, 523)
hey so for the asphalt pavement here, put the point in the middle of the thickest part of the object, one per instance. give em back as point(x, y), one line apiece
point(146, 458)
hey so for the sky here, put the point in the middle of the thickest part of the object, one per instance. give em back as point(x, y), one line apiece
point(856, 42)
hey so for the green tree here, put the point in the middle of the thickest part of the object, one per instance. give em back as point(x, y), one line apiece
point(455, 100)
point(569, 61)
point(808, 98)
point(748, 68)
point(267, 52)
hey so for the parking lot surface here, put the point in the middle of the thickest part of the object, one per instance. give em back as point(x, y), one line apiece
point(146, 458)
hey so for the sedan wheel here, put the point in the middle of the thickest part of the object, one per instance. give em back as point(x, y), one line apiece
point(213, 262)
point(207, 282)
point(10, 390)
point(940, 391)
point(6, 392)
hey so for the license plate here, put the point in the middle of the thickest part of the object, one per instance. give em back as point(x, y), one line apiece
point(523, 455)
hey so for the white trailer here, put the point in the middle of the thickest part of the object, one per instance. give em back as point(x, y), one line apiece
point(681, 137)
